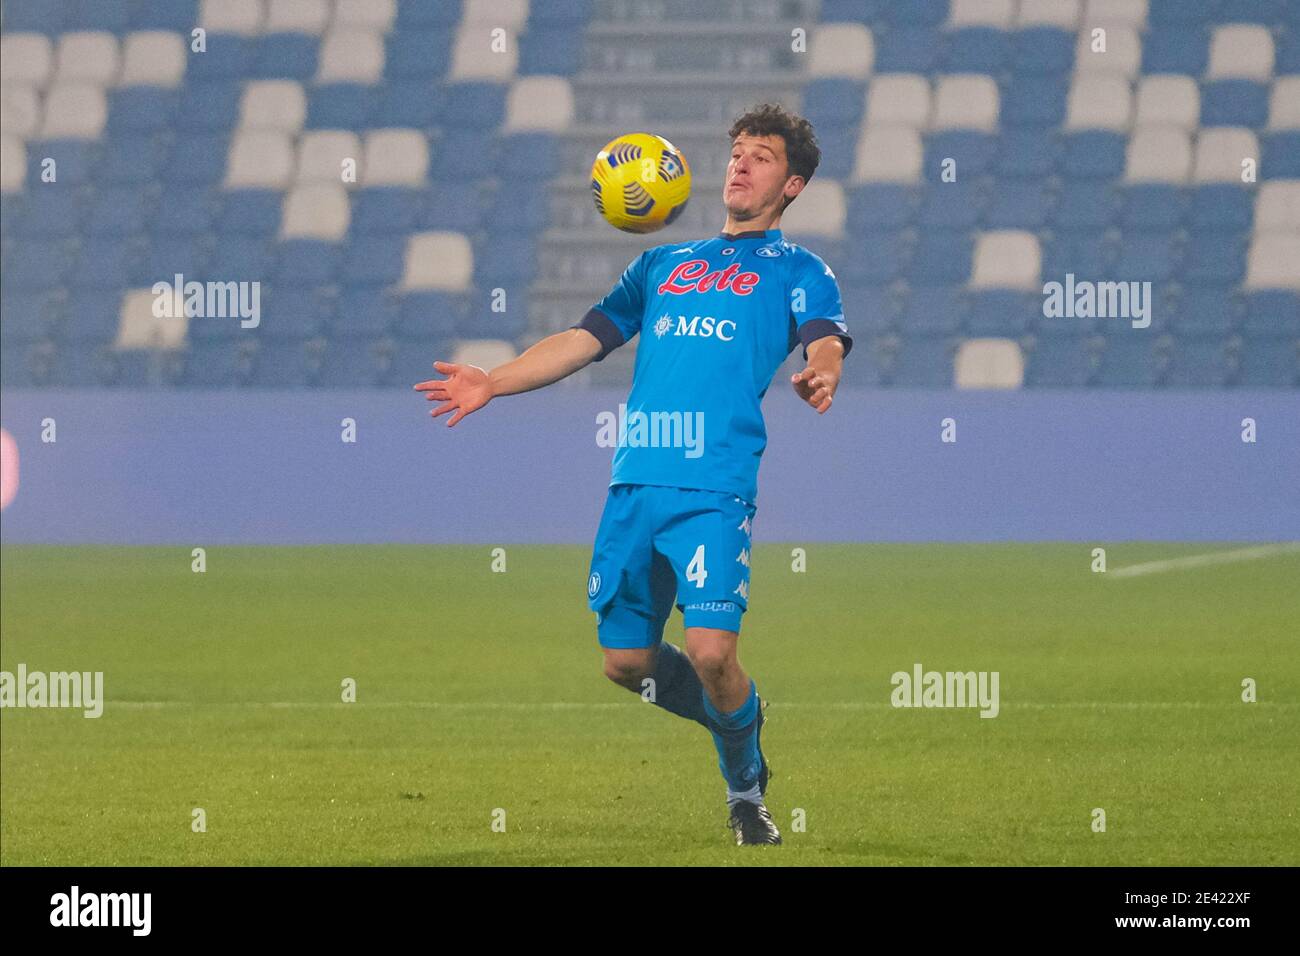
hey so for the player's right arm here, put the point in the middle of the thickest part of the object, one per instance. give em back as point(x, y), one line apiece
point(467, 388)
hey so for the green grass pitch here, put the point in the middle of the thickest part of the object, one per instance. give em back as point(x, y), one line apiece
point(479, 691)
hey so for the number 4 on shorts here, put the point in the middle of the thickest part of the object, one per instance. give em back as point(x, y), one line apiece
point(695, 570)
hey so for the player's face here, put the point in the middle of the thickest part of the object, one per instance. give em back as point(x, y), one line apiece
point(757, 176)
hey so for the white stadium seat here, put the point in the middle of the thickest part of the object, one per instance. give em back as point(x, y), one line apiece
point(153, 58)
point(1122, 56)
point(539, 103)
point(898, 99)
point(90, 57)
point(1007, 259)
point(377, 15)
point(1284, 106)
point(1158, 154)
point(26, 58)
point(1277, 206)
point(890, 154)
point(273, 104)
point(1168, 99)
point(20, 110)
point(841, 50)
point(13, 164)
point(351, 56)
point(241, 17)
point(1063, 14)
point(1241, 51)
point(988, 363)
point(472, 56)
point(316, 211)
point(510, 14)
point(139, 328)
point(1274, 261)
point(485, 353)
point(74, 111)
point(395, 157)
point(981, 13)
point(297, 16)
point(441, 261)
point(1103, 13)
point(321, 154)
point(966, 101)
point(1219, 154)
point(259, 159)
point(1099, 101)
point(819, 211)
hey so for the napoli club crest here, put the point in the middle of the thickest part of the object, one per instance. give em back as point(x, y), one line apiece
point(593, 584)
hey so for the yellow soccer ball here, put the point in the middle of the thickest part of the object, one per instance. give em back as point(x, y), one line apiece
point(640, 182)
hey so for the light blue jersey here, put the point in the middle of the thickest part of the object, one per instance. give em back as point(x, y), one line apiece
point(717, 318)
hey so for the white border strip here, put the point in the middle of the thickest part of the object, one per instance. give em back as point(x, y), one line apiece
point(1203, 560)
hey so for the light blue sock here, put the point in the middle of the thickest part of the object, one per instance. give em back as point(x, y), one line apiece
point(736, 737)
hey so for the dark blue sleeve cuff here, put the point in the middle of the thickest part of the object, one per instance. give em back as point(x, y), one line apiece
point(602, 326)
point(815, 329)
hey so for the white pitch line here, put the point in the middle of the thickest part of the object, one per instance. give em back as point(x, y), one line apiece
point(1202, 560)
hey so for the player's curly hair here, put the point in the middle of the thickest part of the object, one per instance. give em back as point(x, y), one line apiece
point(771, 119)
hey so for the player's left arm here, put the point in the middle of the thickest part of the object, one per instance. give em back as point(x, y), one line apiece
point(817, 383)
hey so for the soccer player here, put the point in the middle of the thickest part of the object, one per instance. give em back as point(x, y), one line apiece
point(717, 317)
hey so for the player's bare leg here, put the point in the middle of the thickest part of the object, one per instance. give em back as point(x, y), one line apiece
point(629, 667)
point(736, 720)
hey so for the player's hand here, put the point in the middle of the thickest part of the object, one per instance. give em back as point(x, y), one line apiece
point(466, 389)
point(814, 387)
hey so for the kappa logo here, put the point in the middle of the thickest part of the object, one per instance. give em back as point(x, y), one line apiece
point(694, 276)
point(767, 252)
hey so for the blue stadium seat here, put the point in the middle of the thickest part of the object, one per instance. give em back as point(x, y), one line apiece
point(412, 103)
point(1086, 206)
point(977, 50)
point(118, 212)
point(1288, 53)
point(218, 364)
point(1128, 360)
point(550, 51)
point(908, 50)
point(197, 160)
point(477, 322)
point(36, 16)
point(504, 260)
point(876, 206)
point(870, 309)
point(1093, 154)
point(364, 312)
point(1269, 363)
point(250, 212)
point(1280, 155)
point(374, 260)
point(922, 362)
point(1034, 101)
point(1272, 313)
point(1163, 12)
point(84, 365)
point(933, 310)
point(165, 256)
point(305, 263)
point(1061, 358)
point(851, 11)
point(1207, 311)
point(534, 154)
point(37, 265)
point(387, 210)
point(1086, 255)
point(131, 161)
point(1043, 50)
point(838, 145)
point(227, 57)
point(1154, 207)
point(184, 211)
point(340, 106)
point(1023, 205)
point(422, 15)
point(526, 211)
point(141, 110)
point(973, 152)
point(1234, 103)
point(1267, 12)
point(473, 105)
point(112, 16)
point(287, 364)
point(942, 257)
point(92, 317)
point(178, 16)
point(463, 154)
point(834, 101)
point(51, 212)
point(74, 161)
point(453, 205)
point(1002, 312)
point(1222, 207)
point(27, 316)
point(570, 14)
point(424, 315)
point(414, 357)
point(285, 56)
point(242, 258)
point(1028, 152)
point(357, 363)
point(1173, 49)
point(413, 54)
point(1213, 259)
point(952, 205)
point(1147, 257)
point(294, 315)
point(1198, 362)
point(888, 255)
point(209, 106)
point(923, 12)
